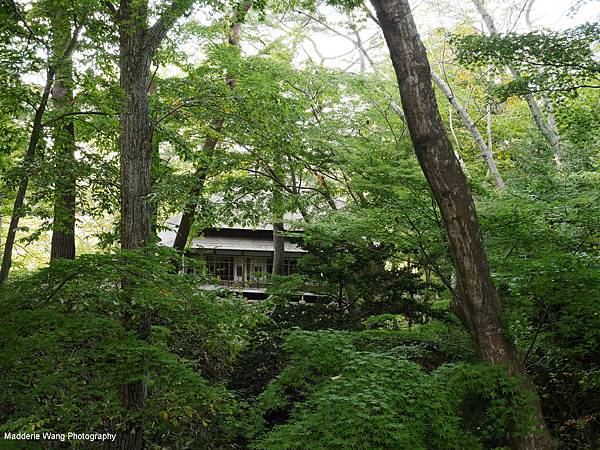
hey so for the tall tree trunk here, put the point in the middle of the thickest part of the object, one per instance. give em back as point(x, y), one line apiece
point(188, 216)
point(63, 225)
point(278, 247)
point(484, 150)
point(135, 142)
point(137, 46)
point(548, 127)
point(476, 301)
point(36, 132)
point(136, 145)
point(277, 212)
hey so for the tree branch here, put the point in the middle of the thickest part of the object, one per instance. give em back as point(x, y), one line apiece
point(75, 113)
point(163, 24)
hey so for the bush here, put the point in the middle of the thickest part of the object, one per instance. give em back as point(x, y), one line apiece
point(70, 338)
point(333, 394)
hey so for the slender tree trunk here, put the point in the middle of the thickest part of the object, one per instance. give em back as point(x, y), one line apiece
point(155, 179)
point(476, 301)
point(63, 225)
point(277, 211)
point(189, 212)
point(188, 216)
point(36, 132)
point(325, 191)
point(463, 166)
point(486, 152)
point(278, 247)
point(548, 127)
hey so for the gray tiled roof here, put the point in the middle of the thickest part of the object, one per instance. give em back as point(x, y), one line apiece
point(260, 244)
point(240, 243)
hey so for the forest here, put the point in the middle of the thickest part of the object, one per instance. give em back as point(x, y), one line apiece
point(434, 164)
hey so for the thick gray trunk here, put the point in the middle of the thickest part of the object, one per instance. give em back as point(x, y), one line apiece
point(63, 225)
point(476, 301)
point(137, 46)
point(136, 146)
point(135, 143)
point(136, 212)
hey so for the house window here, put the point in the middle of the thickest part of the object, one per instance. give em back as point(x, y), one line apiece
point(290, 266)
point(220, 266)
point(257, 267)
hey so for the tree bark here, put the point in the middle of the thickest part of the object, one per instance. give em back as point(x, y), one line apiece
point(137, 46)
point(63, 225)
point(476, 301)
point(188, 216)
point(484, 150)
point(277, 212)
point(548, 127)
point(36, 132)
point(135, 143)
point(278, 247)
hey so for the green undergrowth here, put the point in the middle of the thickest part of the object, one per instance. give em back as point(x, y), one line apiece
point(69, 339)
point(371, 390)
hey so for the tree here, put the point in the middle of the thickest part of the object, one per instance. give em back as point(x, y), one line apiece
point(547, 62)
point(53, 61)
point(546, 125)
point(476, 301)
point(138, 43)
point(277, 212)
point(210, 144)
point(63, 226)
point(484, 149)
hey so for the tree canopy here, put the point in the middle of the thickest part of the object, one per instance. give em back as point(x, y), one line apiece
point(443, 185)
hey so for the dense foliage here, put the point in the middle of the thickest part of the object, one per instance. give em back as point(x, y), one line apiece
point(376, 359)
point(64, 351)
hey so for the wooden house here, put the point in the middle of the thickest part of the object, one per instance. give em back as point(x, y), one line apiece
point(239, 257)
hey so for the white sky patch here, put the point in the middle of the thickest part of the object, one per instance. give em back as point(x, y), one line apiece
point(335, 50)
